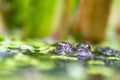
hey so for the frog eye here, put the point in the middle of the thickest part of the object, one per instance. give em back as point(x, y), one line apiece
point(88, 47)
point(60, 46)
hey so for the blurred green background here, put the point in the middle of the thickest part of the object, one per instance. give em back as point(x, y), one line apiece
point(43, 19)
point(37, 18)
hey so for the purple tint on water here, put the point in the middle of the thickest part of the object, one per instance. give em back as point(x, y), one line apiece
point(58, 52)
point(83, 53)
point(81, 61)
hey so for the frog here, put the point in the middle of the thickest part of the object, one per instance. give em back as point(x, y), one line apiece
point(83, 50)
point(65, 47)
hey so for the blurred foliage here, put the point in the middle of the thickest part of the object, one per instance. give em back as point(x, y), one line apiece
point(40, 17)
point(1, 38)
point(15, 12)
point(44, 17)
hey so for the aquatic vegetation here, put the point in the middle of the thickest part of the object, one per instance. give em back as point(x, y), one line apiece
point(56, 58)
